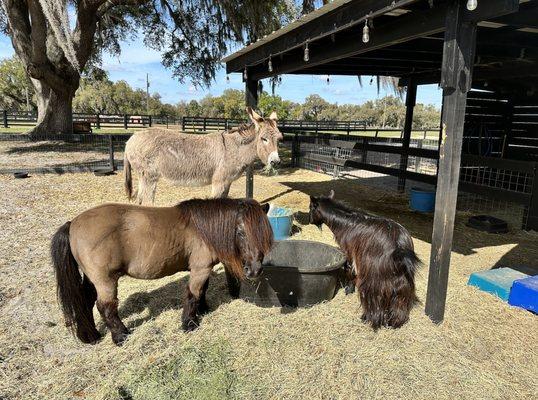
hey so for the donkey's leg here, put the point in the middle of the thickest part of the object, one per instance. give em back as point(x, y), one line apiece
point(107, 304)
point(220, 190)
point(198, 278)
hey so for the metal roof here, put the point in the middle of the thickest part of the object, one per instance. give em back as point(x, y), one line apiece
point(333, 5)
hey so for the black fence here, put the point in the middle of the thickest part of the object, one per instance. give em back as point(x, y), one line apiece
point(97, 121)
point(502, 187)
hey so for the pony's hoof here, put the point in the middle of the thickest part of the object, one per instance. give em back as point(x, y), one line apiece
point(91, 337)
point(190, 325)
point(120, 338)
point(349, 289)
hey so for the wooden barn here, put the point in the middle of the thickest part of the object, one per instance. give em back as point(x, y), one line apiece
point(484, 56)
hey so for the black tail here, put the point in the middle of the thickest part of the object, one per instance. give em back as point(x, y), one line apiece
point(76, 294)
point(128, 177)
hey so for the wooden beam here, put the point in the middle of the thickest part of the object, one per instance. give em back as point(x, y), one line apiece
point(342, 17)
point(458, 56)
point(251, 100)
point(408, 27)
point(410, 101)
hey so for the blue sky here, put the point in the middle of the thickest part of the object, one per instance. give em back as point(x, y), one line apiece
point(136, 60)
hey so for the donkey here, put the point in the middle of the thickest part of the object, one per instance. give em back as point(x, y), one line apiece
point(382, 257)
point(198, 160)
point(113, 240)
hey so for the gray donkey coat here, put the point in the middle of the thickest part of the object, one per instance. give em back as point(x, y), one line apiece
point(215, 159)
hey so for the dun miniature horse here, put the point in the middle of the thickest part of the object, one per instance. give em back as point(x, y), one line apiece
point(112, 240)
point(381, 255)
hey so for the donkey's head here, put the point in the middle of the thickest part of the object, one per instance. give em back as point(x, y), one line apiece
point(267, 137)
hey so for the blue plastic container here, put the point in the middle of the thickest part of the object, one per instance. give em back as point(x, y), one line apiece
point(496, 281)
point(422, 200)
point(281, 220)
point(524, 294)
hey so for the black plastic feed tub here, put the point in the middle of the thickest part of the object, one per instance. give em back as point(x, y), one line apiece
point(296, 273)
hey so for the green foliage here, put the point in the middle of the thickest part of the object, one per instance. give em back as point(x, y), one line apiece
point(14, 83)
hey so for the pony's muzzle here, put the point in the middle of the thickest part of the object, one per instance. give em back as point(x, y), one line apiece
point(253, 271)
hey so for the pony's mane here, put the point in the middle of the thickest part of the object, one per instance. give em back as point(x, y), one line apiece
point(216, 221)
point(245, 131)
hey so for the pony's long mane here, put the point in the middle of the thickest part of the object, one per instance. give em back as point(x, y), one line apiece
point(216, 221)
point(384, 260)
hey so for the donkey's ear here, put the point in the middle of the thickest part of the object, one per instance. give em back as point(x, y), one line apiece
point(331, 194)
point(265, 207)
point(273, 116)
point(254, 116)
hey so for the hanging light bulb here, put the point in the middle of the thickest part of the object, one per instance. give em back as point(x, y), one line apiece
point(270, 65)
point(472, 4)
point(306, 56)
point(245, 75)
point(365, 33)
point(328, 79)
point(279, 79)
point(227, 78)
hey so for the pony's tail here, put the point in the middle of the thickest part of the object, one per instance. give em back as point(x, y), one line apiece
point(128, 177)
point(76, 294)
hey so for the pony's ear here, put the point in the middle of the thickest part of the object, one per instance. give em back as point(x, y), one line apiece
point(273, 116)
point(314, 201)
point(254, 116)
point(265, 207)
point(331, 194)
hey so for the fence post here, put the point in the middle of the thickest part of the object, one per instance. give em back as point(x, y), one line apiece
point(205, 123)
point(365, 149)
point(225, 124)
point(125, 121)
point(167, 121)
point(425, 133)
point(183, 123)
point(97, 121)
point(150, 121)
point(111, 153)
point(4, 118)
point(532, 211)
point(417, 159)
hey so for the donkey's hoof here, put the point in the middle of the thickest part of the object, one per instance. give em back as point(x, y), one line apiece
point(190, 325)
point(120, 338)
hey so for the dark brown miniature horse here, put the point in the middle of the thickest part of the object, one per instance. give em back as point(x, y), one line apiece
point(381, 255)
point(112, 240)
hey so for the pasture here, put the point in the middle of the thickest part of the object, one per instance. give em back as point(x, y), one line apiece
point(484, 349)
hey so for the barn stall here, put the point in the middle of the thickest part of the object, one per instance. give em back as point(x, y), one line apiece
point(482, 54)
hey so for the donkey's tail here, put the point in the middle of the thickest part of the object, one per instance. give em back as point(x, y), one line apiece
point(128, 177)
point(76, 294)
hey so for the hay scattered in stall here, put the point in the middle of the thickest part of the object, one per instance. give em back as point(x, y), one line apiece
point(484, 349)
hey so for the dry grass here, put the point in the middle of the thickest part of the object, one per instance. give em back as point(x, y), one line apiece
point(483, 350)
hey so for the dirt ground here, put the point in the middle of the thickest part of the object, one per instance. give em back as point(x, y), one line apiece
point(484, 349)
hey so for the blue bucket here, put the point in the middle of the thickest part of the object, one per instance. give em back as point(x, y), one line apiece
point(422, 200)
point(281, 220)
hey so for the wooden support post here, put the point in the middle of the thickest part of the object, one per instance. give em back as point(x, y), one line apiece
point(508, 117)
point(251, 100)
point(456, 79)
point(410, 101)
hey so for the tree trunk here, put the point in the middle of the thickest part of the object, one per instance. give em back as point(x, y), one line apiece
point(54, 110)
